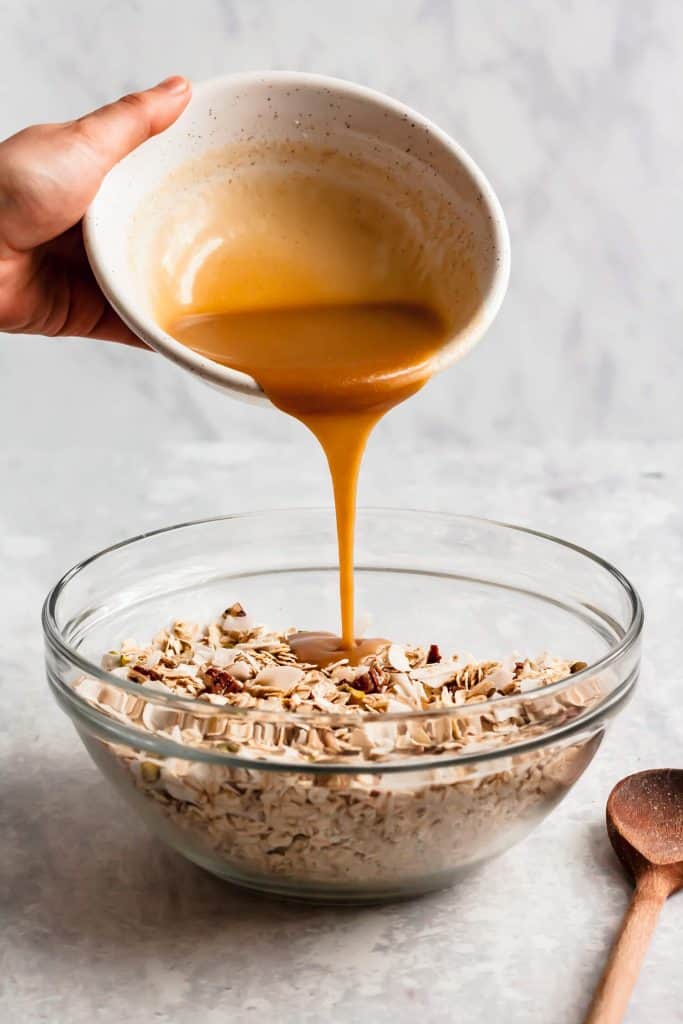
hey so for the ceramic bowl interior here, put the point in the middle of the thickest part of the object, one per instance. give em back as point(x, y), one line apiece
point(150, 206)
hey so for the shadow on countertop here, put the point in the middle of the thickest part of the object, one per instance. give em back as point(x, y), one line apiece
point(78, 869)
point(101, 921)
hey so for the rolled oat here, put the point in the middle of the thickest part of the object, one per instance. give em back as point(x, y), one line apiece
point(367, 787)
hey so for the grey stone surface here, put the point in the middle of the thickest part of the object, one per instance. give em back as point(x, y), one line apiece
point(101, 923)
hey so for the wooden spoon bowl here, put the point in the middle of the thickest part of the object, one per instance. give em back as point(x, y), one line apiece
point(645, 827)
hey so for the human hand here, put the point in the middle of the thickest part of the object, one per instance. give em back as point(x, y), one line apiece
point(49, 174)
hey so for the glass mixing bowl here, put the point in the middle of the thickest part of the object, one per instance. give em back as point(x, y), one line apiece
point(220, 784)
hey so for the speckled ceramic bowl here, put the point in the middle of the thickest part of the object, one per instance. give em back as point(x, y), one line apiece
point(451, 206)
point(345, 830)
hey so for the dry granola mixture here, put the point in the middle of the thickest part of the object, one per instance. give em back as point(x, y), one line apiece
point(327, 827)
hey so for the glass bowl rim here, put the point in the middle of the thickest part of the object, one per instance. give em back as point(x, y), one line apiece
point(59, 645)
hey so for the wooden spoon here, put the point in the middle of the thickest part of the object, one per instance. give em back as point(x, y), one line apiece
point(645, 827)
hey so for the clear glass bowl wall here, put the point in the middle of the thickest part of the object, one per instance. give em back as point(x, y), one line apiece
point(341, 830)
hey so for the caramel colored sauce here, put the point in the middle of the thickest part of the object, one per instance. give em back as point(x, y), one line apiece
point(313, 274)
point(324, 649)
point(338, 369)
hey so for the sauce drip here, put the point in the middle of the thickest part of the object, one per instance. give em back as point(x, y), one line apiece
point(338, 369)
point(333, 281)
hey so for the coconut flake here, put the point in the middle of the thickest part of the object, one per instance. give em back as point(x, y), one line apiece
point(436, 675)
point(215, 698)
point(112, 698)
point(466, 658)
point(509, 662)
point(396, 656)
point(346, 673)
point(241, 670)
point(237, 623)
point(88, 688)
point(179, 791)
point(397, 706)
point(500, 677)
point(158, 719)
point(223, 656)
point(408, 688)
point(203, 652)
point(181, 671)
point(319, 692)
point(504, 714)
point(280, 677)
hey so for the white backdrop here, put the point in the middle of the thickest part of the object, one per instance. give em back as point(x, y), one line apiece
point(572, 109)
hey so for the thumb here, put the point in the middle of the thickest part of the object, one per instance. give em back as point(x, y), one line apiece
point(113, 131)
point(49, 174)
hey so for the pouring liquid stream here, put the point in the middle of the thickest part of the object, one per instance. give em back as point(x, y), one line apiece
point(338, 369)
point(332, 286)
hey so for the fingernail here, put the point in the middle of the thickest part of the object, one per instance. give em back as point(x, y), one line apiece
point(175, 84)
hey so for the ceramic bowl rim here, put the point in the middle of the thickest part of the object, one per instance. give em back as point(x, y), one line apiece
point(94, 235)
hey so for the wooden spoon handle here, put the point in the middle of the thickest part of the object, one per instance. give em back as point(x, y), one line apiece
point(617, 981)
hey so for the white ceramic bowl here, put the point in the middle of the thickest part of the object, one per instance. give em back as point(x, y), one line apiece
point(283, 105)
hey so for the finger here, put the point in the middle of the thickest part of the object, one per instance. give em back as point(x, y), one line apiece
point(49, 174)
point(111, 328)
point(52, 291)
point(113, 131)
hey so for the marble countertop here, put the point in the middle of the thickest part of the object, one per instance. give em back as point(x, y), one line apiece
point(102, 924)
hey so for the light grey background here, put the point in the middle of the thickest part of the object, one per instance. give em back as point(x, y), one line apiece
point(574, 111)
point(566, 418)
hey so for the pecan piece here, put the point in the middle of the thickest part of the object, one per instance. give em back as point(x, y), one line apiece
point(372, 681)
point(433, 654)
point(138, 674)
point(235, 611)
point(221, 682)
